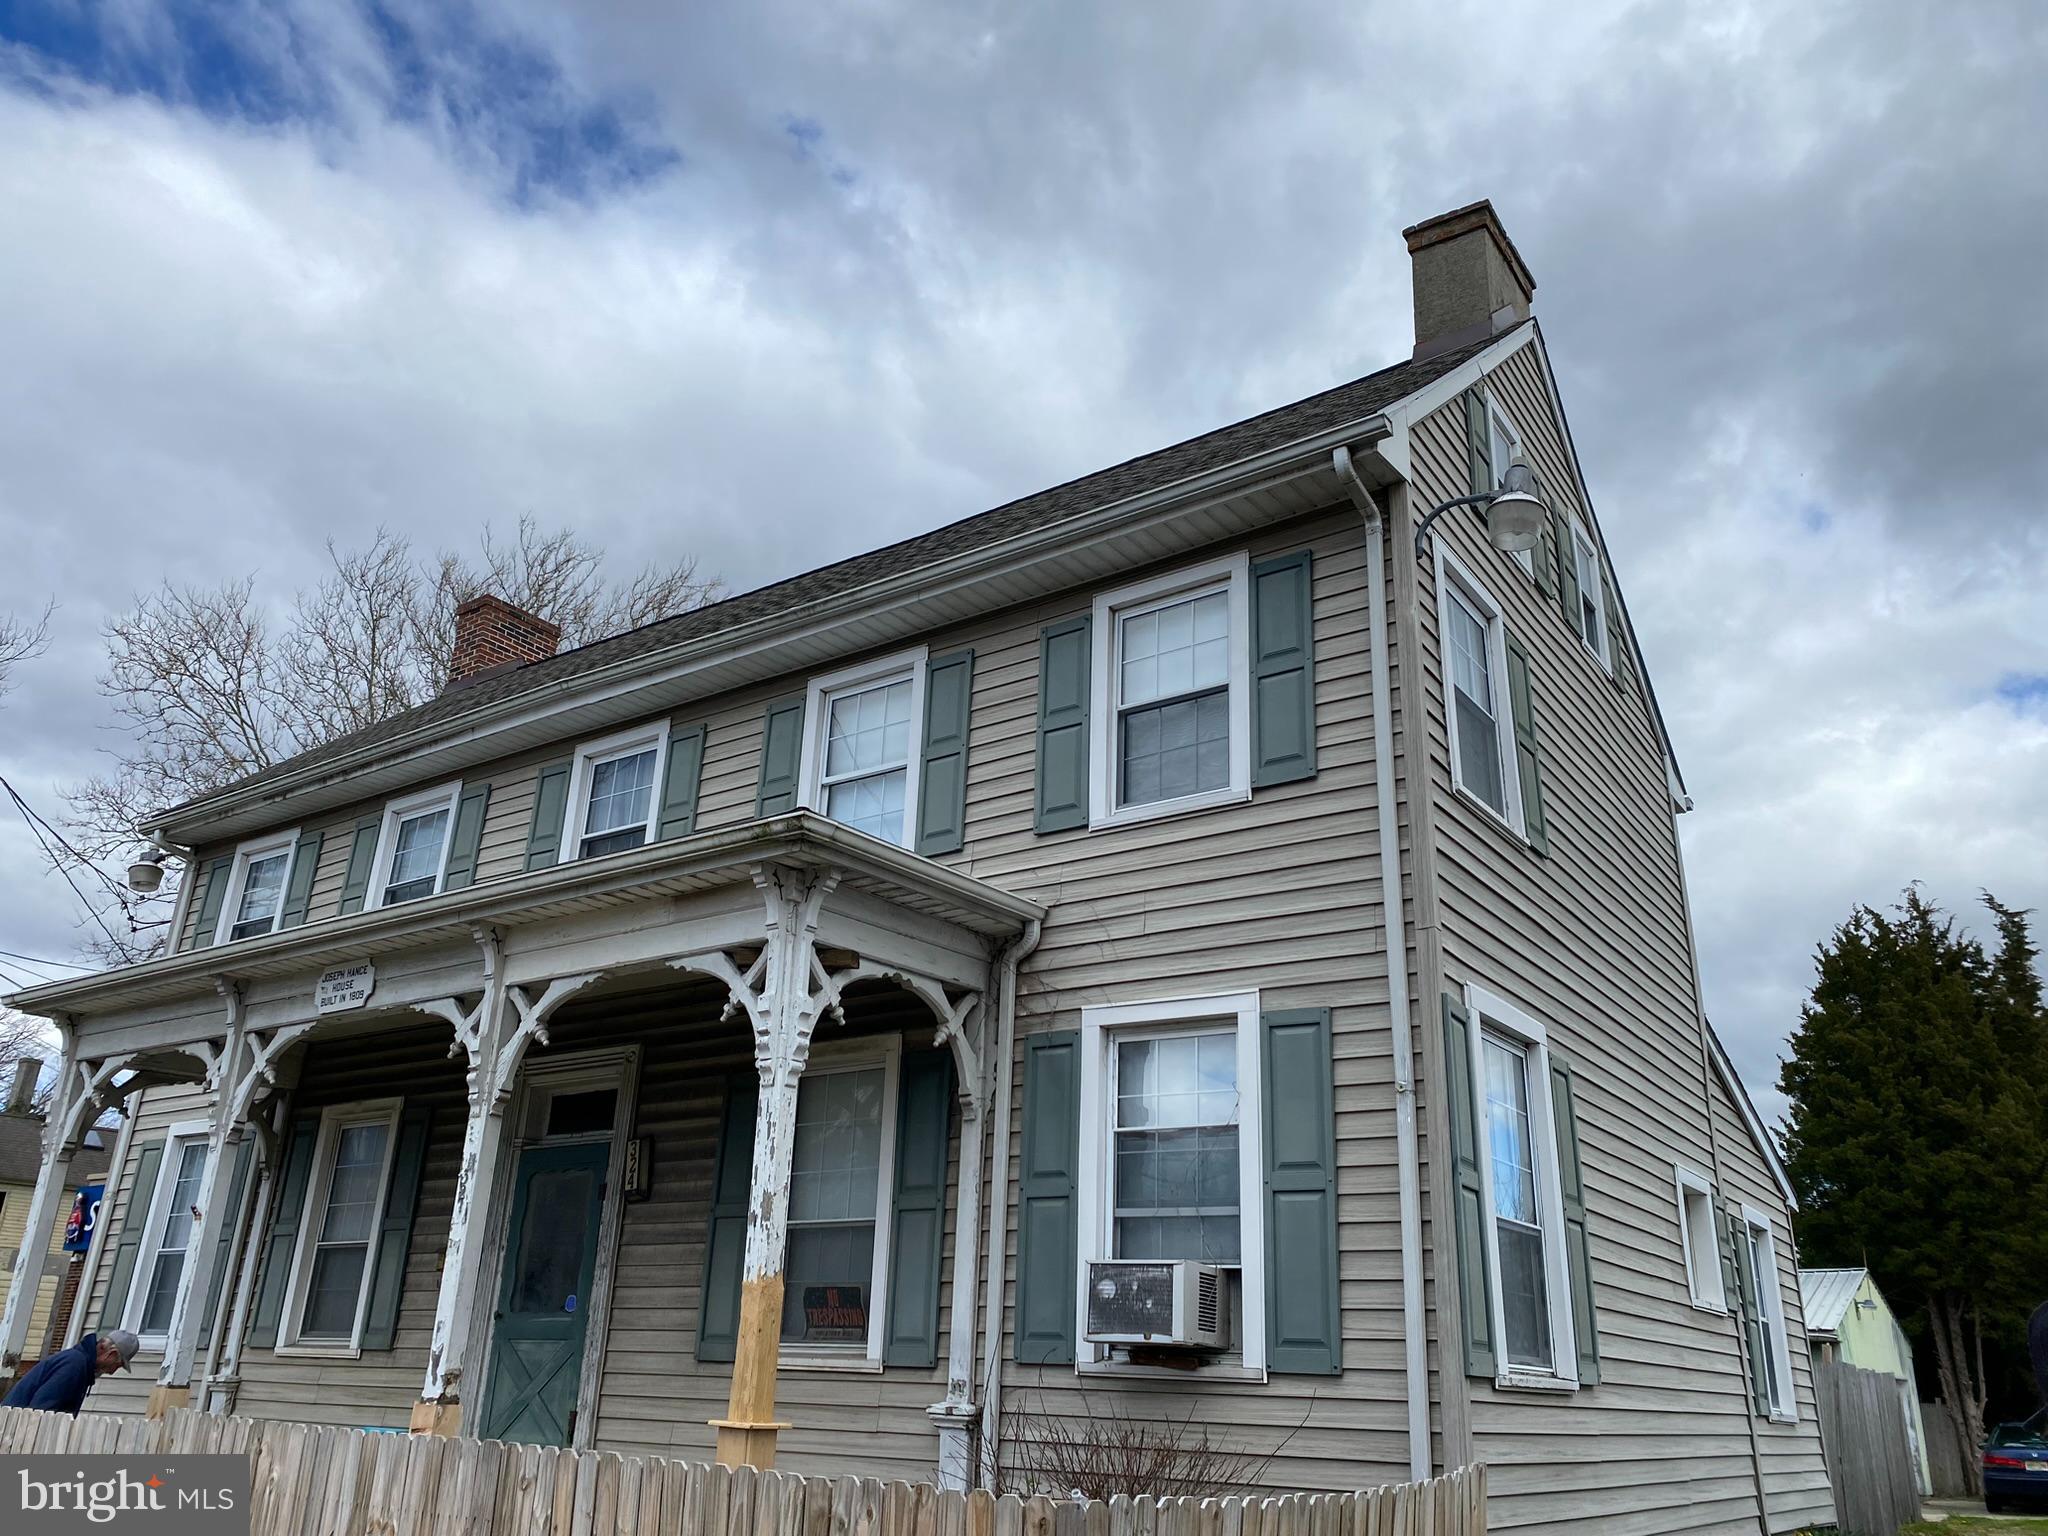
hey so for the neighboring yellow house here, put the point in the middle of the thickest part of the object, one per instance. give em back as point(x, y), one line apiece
point(1848, 1319)
point(21, 1156)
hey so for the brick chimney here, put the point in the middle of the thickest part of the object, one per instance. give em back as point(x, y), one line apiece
point(22, 1094)
point(1470, 281)
point(490, 634)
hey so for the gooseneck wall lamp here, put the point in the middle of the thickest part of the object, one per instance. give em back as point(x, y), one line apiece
point(1515, 514)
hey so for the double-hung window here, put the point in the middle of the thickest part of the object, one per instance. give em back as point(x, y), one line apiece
point(840, 1181)
point(1528, 1278)
point(1700, 1242)
point(168, 1228)
point(1172, 693)
point(1503, 442)
point(1475, 665)
point(1590, 622)
point(613, 798)
point(412, 849)
point(330, 1284)
point(861, 752)
point(256, 884)
point(1170, 1147)
point(1760, 1252)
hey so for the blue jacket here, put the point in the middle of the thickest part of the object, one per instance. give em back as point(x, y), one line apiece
point(59, 1384)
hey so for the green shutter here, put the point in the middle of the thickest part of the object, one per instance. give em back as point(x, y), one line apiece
point(1063, 689)
point(1048, 1212)
point(725, 1236)
point(550, 806)
point(1578, 1254)
point(917, 1221)
point(1304, 1330)
point(1528, 747)
point(1283, 670)
point(286, 1215)
point(1468, 1207)
point(1754, 1339)
point(782, 757)
point(1567, 568)
point(1478, 442)
point(213, 890)
point(1544, 558)
point(394, 1235)
point(1621, 659)
point(679, 781)
point(467, 837)
point(942, 770)
point(362, 859)
point(149, 1159)
point(298, 894)
point(230, 1210)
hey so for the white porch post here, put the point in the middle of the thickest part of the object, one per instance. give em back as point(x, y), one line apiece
point(956, 1414)
point(495, 1034)
point(202, 1256)
point(782, 995)
point(60, 1135)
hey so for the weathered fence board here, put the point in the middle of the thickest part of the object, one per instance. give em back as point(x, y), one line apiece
point(1869, 1449)
point(307, 1480)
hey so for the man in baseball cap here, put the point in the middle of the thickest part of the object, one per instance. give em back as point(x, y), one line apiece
point(59, 1384)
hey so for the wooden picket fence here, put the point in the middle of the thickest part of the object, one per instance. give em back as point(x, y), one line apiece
point(308, 1480)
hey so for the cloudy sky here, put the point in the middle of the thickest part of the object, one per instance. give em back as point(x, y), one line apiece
point(778, 282)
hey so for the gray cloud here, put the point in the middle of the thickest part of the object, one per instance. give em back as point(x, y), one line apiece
point(910, 261)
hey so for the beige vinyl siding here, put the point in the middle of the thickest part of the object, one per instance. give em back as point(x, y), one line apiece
point(1591, 940)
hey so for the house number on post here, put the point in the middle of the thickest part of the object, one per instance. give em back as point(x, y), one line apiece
point(345, 987)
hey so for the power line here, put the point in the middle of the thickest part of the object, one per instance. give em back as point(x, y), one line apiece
point(55, 965)
point(31, 819)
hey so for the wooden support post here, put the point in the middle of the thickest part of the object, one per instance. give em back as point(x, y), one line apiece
point(76, 1089)
point(954, 1416)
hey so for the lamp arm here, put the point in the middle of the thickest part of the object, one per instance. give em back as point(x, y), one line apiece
point(1485, 498)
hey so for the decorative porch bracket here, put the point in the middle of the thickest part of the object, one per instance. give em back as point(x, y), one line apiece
point(494, 1033)
point(80, 1085)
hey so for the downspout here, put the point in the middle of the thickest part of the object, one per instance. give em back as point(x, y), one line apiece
point(1387, 814)
point(998, 1175)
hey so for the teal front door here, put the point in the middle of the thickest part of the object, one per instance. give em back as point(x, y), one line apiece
point(544, 1296)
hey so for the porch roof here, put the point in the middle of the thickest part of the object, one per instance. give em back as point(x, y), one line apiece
point(679, 867)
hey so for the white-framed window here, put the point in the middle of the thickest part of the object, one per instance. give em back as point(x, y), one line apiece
point(1590, 622)
point(329, 1289)
point(842, 1180)
point(256, 885)
point(1762, 1253)
point(863, 735)
point(1171, 689)
point(167, 1233)
point(1698, 1237)
point(1479, 714)
point(1528, 1279)
point(1503, 442)
point(412, 848)
point(1170, 1162)
point(615, 792)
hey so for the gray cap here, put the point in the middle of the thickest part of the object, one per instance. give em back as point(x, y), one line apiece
point(125, 1343)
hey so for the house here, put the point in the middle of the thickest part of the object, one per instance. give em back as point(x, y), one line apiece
point(1848, 1319)
point(762, 1033)
point(21, 1159)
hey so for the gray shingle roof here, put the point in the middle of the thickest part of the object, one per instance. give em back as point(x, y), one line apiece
point(1257, 434)
point(21, 1152)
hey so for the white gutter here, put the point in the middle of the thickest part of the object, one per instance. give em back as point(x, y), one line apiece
point(1007, 965)
point(1387, 810)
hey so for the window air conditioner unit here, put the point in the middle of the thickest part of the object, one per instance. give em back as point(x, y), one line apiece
point(1156, 1302)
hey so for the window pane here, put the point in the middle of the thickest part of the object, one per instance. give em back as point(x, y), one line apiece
point(333, 1291)
point(1500, 448)
point(1184, 1080)
point(614, 842)
point(1174, 1186)
point(262, 894)
point(177, 1228)
point(589, 1112)
point(1209, 1239)
point(1176, 749)
point(836, 1159)
point(827, 1279)
point(869, 729)
point(1524, 1295)
point(621, 791)
point(872, 805)
point(1470, 658)
point(163, 1292)
point(1175, 650)
point(416, 857)
point(353, 1188)
point(1479, 755)
point(552, 1231)
point(1524, 1281)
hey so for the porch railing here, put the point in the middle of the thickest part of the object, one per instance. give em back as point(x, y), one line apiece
point(308, 1480)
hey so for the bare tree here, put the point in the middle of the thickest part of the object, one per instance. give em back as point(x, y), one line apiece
point(22, 640)
point(210, 684)
point(22, 1037)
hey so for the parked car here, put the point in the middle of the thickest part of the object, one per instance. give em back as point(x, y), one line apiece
point(2016, 1466)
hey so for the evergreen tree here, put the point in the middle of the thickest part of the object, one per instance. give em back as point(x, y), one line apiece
point(1918, 1141)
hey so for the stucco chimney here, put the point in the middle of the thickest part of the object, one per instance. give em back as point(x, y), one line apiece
point(23, 1093)
point(490, 634)
point(1470, 281)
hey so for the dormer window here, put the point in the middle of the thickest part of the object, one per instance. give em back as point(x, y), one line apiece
point(612, 803)
point(412, 849)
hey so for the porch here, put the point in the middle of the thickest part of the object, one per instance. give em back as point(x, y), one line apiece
point(539, 1183)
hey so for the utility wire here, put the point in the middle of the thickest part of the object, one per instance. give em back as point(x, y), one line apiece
point(54, 965)
point(31, 819)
